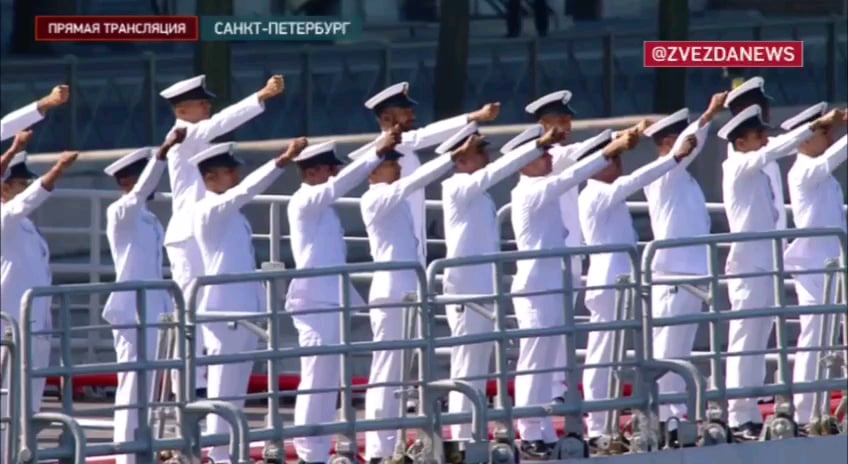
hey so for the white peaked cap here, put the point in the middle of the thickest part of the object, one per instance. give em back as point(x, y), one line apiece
point(458, 138)
point(387, 93)
point(808, 115)
point(594, 144)
point(359, 152)
point(751, 112)
point(562, 96)
point(312, 151)
point(532, 133)
point(16, 160)
point(751, 84)
point(127, 160)
point(184, 86)
point(670, 120)
point(213, 151)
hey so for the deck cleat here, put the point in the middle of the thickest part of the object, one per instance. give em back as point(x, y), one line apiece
point(503, 453)
point(571, 446)
point(781, 425)
point(273, 453)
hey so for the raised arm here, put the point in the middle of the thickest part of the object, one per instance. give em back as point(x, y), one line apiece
point(627, 185)
point(779, 147)
point(26, 202)
point(498, 170)
point(564, 156)
point(255, 183)
point(437, 132)
point(22, 118)
point(235, 115)
point(396, 193)
point(818, 169)
point(554, 187)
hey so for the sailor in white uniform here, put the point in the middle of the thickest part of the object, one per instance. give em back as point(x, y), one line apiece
point(471, 229)
point(25, 117)
point(192, 107)
point(18, 145)
point(392, 106)
point(748, 203)
point(225, 239)
point(537, 225)
point(24, 255)
point(817, 201)
point(554, 110)
point(606, 221)
point(391, 236)
point(752, 92)
point(678, 209)
point(135, 238)
point(317, 240)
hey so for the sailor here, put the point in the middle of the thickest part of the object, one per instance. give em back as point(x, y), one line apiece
point(393, 106)
point(554, 110)
point(391, 236)
point(317, 240)
point(192, 106)
point(224, 237)
point(606, 221)
point(678, 209)
point(817, 200)
point(25, 117)
point(471, 229)
point(745, 94)
point(18, 145)
point(748, 204)
point(537, 225)
point(24, 256)
point(135, 238)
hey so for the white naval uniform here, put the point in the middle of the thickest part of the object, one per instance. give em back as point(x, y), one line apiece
point(748, 202)
point(817, 201)
point(772, 170)
point(677, 209)
point(471, 229)
point(225, 239)
point(563, 157)
point(19, 120)
point(607, 221)
point(537, 225)
point(420, 139)
point(135, 240)
point(187, 189)
point(317, 240)
point(25, 263)
point(391, 236)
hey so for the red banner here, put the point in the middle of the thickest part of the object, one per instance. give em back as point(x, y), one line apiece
point(715, 54)
point(117, 29)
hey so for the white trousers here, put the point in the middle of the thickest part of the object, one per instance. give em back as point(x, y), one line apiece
point(598, 350)
point(316, 372)
point(536, 353)
point(747, 335)
point(226, 380)
point(673, 342)
point(810, 291)
point(468, 360)
point(126, 420)
point(186, 264)
point(380, 402)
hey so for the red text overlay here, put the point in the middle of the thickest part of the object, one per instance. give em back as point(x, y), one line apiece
point(751, 54)
point(117, 28)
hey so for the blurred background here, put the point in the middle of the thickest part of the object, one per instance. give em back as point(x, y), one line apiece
point(506, 50)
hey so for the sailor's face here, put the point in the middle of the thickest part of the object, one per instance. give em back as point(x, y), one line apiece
point(472, 162)
point(818, 143)
point(13, 187)
point(753, 140)
point(404, 117)
point(539, 167)
point(559, 121)
point(666, 144)
point(387, 172)
point(320, 174)
point(221, 179)
point(194, 110)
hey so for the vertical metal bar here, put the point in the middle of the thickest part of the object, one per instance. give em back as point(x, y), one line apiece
point(757, 32)
point(533, 69)
point(151, 100)
point(346, 365)
point(274, 420)
point(608, 73)
point(573, 421)
point(784, 374)
point(717, 381)
point(73, 105)
point(94, 238)
point(65, 354)
point(142, 375)
point(275, 219)
point(306, 83)
point(501, 369)
point(386, 58)
point(830, 64)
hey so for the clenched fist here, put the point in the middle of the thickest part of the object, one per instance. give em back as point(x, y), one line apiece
point(389, 141)
point(275, 86)
point(295, 147)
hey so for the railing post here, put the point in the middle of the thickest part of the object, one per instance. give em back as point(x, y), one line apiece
point(533, 67)
point(150, 62)
point(387, 65)
point(94, 275)
point(609, 70)
point(830, 64)
point(306, 80)
point(72, 80)
point(274, 219)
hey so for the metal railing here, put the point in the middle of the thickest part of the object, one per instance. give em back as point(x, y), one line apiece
point(116, 98)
